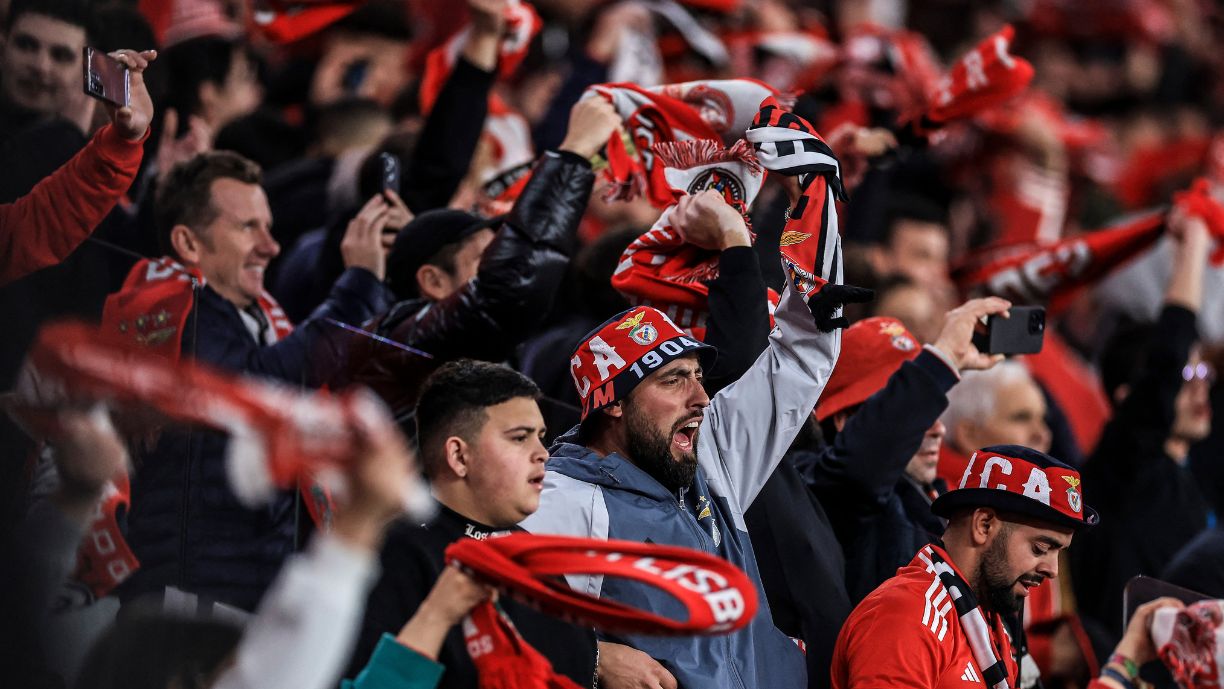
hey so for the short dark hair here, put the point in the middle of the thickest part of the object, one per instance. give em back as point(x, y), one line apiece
point(192, 63)
point(911, 206)
point(184, 196)
point(75, 12)
point(453, 402)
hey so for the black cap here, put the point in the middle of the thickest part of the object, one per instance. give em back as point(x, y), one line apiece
point(423, 238)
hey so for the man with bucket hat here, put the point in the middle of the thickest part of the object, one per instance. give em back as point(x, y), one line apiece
point(879, 416)
point(656, 460)
point(948, 618)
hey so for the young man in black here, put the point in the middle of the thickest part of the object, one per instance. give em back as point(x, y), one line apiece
point(480, 439)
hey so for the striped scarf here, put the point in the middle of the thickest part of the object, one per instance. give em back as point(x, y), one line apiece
point(973, 622)
point(810, 244)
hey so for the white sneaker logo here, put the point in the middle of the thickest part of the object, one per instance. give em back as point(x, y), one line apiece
point(969, 675)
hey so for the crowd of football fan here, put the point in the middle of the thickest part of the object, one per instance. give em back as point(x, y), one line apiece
point(698, 273)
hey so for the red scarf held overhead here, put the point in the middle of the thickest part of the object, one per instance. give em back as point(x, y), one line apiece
point(660, 268)
point(1054, 274)
point(506, 131)
point(286, 21)
point(718, 110)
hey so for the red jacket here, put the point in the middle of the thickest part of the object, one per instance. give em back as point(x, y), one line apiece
point(43, 227)
point(906, 635)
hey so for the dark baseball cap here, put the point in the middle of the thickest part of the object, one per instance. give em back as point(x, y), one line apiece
point(422, 239)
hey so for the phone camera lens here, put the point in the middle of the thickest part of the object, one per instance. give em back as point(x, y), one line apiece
point(1036, 322)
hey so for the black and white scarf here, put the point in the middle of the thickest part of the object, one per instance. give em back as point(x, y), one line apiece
point(973, 622)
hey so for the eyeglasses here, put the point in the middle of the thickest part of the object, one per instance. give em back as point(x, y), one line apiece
point(1199, 371)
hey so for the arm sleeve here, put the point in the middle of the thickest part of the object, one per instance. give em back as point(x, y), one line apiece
point(1141, 423)
point(869, 456)
point(738, 325)
point(306, 624)
point(519, 272)
point(314, 348)
point(448, 139)
point(751, 423)
point(403, 586)
point(43, 227)
point(395, 666)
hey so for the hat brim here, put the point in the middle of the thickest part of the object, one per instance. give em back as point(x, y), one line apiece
point(949, 503)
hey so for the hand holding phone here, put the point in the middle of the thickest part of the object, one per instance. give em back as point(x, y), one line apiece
point(107, 79)
point(1022, 333)
point(117, 80)
point(389, 164)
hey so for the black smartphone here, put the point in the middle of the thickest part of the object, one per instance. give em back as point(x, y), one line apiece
point(390, 166)
point(106, 78)
point(1023, 333)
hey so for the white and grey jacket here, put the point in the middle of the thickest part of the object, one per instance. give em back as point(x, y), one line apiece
point(747, 428)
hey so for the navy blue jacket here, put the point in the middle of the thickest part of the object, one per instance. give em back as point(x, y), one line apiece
point(860, 477)
point(186, 526)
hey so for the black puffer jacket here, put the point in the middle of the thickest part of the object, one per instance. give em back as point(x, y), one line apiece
point(507, 300)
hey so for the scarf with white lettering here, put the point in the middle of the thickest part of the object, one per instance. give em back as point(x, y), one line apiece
point(972, 621)
point(1055, 273)
point(280, 437)
point(719, 597)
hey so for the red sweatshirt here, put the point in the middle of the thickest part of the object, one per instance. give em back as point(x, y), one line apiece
point(43, 227)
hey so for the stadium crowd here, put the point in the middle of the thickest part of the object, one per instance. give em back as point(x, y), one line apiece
point(338, 309)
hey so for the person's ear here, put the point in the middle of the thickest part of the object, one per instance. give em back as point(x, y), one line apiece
point(186, 244)
point(1121, 393)
point(983, 526)
point(433, 283)
point(879, 260)
point(615, 410)
point(455, 449)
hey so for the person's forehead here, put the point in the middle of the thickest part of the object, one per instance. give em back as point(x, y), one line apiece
point(1039, 531)
point(514, 413)
point(49, 30)
point(1017, 394)
point(238, 197)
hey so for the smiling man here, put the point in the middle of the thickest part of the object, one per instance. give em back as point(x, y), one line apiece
point(656, 460)
point(948, 619)
point(186, 526)
point(479, 430)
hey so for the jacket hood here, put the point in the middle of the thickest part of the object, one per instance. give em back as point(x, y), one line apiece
point(569, 458)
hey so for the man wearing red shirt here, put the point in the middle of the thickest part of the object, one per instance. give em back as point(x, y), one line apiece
point(947, 619)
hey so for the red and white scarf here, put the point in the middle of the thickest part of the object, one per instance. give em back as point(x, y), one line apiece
point(718, 110)
point(1191, 643)
point(506, 131)
point(719, 597)
point(810, 245)
point(1055, 273)
point(660, 268)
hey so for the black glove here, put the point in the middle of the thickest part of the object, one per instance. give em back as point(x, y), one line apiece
point(831, 297)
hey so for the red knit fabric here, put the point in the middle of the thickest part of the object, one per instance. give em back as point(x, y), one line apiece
point(43, 227)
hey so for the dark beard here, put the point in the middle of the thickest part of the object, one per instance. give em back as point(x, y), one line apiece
point(651, 452)
point(993, 580)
